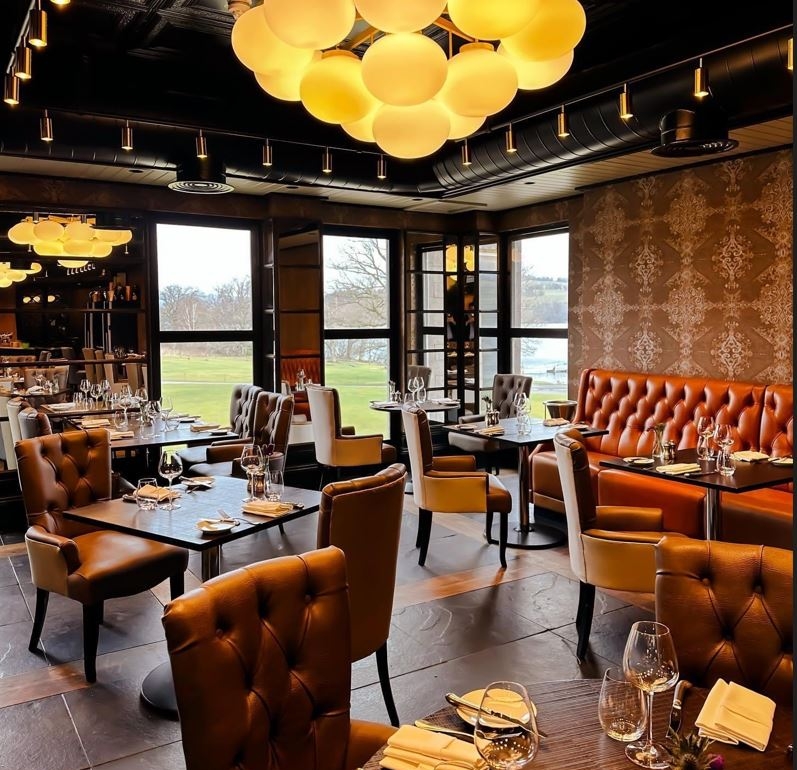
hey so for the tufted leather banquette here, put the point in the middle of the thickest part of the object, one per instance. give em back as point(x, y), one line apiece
point(628, 404)
point(262, 669)
point(729, 608)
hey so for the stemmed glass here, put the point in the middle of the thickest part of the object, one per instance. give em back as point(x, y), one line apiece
point(166, 405)
point(252, 462)
point(170, 467)
point(126, 400)
point(723, 435)
point(507, 743)
point(649, 663)
point(412, 386)
point(96, 394)
point(141, 395)
point(420, 393)
point(705, 429)
point(105, 385)
point(85, 387)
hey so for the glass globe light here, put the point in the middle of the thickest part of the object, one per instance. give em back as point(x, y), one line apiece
point(120, 237)
point(77, 248)
point(480, 82)
point(311, 23)
point(411, 132)
point(5, 282)
point(73, 262)
point(404, 69)
point(35, 267)
point(491, 19)
point(363, 129)
point(403, 16)
point(16, 275)
point(79, 231)
point(106, 236)
point(259, 49)
point(462, 126)
point(48, 248)
point(538, 74)
point(100, 249)
point(284, 84)
point(332, 89)
point(554, 30)
point(22, 233)
point(47, 230)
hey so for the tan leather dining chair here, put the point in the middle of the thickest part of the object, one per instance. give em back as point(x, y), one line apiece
point(450, 485)
point(363, 518)
point(261, 662)
point(84, 563)
point(610, 547)
point(333, 449)
point(729, 608)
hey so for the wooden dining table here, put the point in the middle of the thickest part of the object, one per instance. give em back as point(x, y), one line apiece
point(567, 711)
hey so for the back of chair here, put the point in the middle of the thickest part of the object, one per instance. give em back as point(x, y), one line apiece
point(729, 609)
point(325, 408)
point(63, 470)
point(363, 518)
point(272, 423)
point(261, 665)
point(33, 423)
point(505, 388)
point(242, 408)
point(15, 406)
point(573, 462)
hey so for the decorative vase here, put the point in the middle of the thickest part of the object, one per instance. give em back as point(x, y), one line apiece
point(658, 452)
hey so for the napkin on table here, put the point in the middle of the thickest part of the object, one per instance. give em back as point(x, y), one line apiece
point(122, 434)
point(410, 748)
point(200, 427)
point(96, 422)
point(266, 507)
point(384, 403)
point(159, 493)
point(35, 389)
point(495, 430)
point(734, 714)
point(750, 456)
point(61, 406)
point(678, 469)
point(552, 422)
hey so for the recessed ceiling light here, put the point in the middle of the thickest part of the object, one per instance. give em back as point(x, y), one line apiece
point(292, 187)
point(528, 182)
point(136, 170)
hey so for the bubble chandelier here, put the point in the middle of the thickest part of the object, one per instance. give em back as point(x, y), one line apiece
point(407, 94)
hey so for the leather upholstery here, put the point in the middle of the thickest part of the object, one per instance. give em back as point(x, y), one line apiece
point(729, 609)
point(15, 406)
point(334, 449)
point(33, 423)
point(289, 370)
point(261, 665)
point(58, 373)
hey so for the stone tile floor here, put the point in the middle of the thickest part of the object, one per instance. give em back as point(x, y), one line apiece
point(518, 625)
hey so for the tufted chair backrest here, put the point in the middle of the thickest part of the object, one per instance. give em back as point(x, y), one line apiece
point(729, 609)
point(61, 471)
point(261, 665)
point(505, 388)
point(363, 518)
point(307, 360)
point(33, 423)
point(272, 423)
point(242, 409)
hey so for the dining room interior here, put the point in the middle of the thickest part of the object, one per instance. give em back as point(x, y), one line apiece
point(495, 298)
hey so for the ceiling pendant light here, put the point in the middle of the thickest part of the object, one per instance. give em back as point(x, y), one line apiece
point(511, 147)
point(790, 55)
point(466, 161)
point(381, 167)
point(326, 161)
point(268, 156)
point(60, 3)
point(701, 81)
point(37, 26)
point(201, 146)
point(625, 104)
point(127, 137)
point(11, 91)
point(23, 60)
point(562, 129)
point(46, 127)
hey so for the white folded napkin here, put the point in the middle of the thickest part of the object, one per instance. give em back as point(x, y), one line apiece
point(200, 427)
point(493, 430)
point(96, 422)
point(734, 714)
point(266, 507)
point(678, 469)
point(383, 403)
point(159, 493)
point(411, 748)
point(749, 456)
point(35, 389)
point(62, 406)
point(122, 434)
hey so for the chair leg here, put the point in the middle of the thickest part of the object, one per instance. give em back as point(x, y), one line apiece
point(322, 474)
point(42, 599)
point(91, 635)
point(488, 526)
point(586, 605)
point(384, 683)
point(177, 584)
point(503, 534)
point(281, 529)
point(424, 533)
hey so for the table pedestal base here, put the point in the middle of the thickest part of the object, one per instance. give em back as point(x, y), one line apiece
point(157, 690)
point(535, 537)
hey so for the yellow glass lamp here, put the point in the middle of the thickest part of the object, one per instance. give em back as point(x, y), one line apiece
point(332, 89)
point(100, 249)
point(22, 233)
point(555, 29)
point(363, 129)
point(411, 132)
point(77, 248)
point(403, 16)
point(284, 84)
point(259, 49)
point(462, 126)
point(48, 248)
point(79, 231)
point(73, 262)
point(311, 23)
point(538, 74)
point(491, 19)
point(47, 230)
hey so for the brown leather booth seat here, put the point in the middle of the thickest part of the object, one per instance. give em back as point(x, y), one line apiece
point(289, 370)
point(627, 404)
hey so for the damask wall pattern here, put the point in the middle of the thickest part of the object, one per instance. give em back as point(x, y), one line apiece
point(688, 272)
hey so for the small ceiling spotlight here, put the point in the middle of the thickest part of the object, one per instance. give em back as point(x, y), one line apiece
point(46, 127)
point(11, 91)
point(23, 62)
point(326, 161)
point(127, 137)
point(511, 147)
point(381, 167)
point(201, 146)
point(626, 113)
point(790, 55)
point(466, 160)
point(268, 155)
point(701, 81)
point(562, 129)
point(37, 26)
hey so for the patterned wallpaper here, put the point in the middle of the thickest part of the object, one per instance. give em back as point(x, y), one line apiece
point(688, 272)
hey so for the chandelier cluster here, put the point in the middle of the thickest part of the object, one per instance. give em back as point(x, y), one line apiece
point(405, 94)
point(73, 240)
point(9, 275)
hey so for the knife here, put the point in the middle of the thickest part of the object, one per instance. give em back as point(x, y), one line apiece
point(455, 700)
point(677, 702)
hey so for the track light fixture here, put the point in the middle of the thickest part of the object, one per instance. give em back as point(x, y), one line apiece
point(466, 161)
point(201, 146)
point(268, 156)
point(37, 26)
point(46, 127)
point(626, 112)
point(562, 130)
point(701, 81)
point(326, 161)
point(127, 136)
point(790, 55)
point(11, 91)
point(510, 140)
point(23, 59)
point(381, 167)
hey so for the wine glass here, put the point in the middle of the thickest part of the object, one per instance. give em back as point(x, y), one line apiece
point(85, 387)
point(120, 419)
point(126, 400)
point(723, 435)
point(412, 386)
point(170, 467)
point(96, 394)
point(420, 393)
point(705, 429)
point(142, 395)
point(252, 462)
point(105, 385)
point(511, 742)
point(649, 663)
point(166, 405)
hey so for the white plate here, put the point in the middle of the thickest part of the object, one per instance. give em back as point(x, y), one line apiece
point(638, 460)
point(475, 696)
point(782, 461)
point(219, 432)
point(215, 526)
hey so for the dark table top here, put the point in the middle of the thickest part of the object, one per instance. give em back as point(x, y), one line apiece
point(431, 405)
point(748, 476)
point(568, 713)
point(178, 527)
point(538, 432)
point(181, 435)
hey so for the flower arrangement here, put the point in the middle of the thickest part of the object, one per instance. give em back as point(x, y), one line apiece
point(690, 752)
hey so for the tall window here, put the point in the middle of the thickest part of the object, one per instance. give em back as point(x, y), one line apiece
point(204, 316)
point(539, 268)
point(356, 326)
